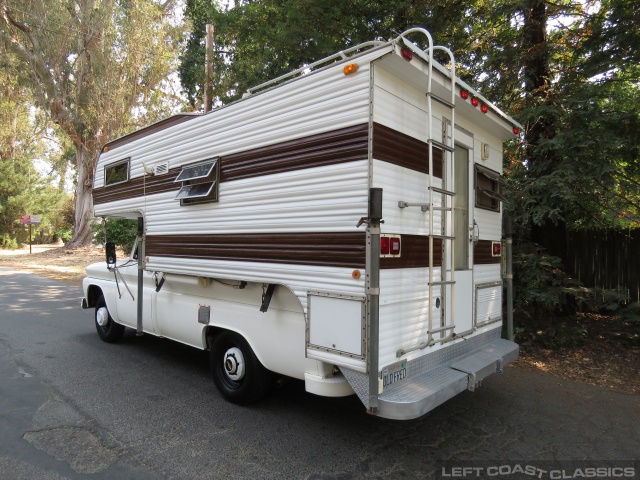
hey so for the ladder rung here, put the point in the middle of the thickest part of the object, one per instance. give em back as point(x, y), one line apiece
point(442, 191)
point(440, 100)
point(443, 237)
point(447, 282)
point(441, 145)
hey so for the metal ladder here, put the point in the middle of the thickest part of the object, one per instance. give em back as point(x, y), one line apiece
point(446, 281)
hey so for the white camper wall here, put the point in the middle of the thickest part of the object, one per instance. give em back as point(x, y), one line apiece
point(323, 199)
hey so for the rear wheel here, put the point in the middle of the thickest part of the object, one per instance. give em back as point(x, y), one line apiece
point(237, 372)
point(108, 330)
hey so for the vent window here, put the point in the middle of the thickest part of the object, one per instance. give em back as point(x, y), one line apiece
point(199, 182)
point(117, 172)
point(488, 189)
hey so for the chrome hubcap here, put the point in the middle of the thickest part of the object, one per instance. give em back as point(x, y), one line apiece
point(234, 364)
point(102, 316)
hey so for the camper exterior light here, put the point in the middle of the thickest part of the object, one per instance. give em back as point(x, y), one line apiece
point(350, 68)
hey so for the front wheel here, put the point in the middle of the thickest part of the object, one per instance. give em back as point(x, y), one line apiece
point(108, 330)
point(237, 372)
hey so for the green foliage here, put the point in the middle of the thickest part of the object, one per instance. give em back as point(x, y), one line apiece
point(98, 70)
point(540, 285)
point(8, 242)
point(260, 40)
point(121, 231)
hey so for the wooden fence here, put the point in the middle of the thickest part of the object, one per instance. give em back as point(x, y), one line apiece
point(607, 259)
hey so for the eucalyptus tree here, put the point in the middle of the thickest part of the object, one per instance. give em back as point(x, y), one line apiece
point(97, 67)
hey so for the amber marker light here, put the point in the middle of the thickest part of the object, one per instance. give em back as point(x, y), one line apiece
point(349, 69)
point(105, 149)
point(356, 274)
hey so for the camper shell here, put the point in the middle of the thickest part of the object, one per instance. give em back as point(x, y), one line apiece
point(340, 225)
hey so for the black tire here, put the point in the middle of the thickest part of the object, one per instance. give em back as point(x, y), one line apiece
point(108, 330)
point(237, 372)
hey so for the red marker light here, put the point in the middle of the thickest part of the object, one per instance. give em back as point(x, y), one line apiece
point(407, 54)
point(516, 130)
point(475, 101)
point(384, 246)
point(496, 249)
point(464, 94)
point(484, 108)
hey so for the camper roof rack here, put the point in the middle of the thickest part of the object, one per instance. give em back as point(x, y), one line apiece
point(336, 57)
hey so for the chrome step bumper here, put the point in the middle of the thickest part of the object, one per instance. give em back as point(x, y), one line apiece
point(422, 393)
point(438, 376)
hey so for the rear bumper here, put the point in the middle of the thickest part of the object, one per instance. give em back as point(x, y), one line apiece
point(425, 392)
point(436, 377)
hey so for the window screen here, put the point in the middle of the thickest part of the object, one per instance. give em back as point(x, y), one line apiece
point(116, 172)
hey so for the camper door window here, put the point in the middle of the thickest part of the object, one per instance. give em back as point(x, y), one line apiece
point(117, 172)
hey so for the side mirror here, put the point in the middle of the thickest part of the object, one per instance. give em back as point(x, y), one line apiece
point(110, 251)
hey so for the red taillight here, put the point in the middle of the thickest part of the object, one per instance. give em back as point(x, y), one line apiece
point(516, 130)
point(394, 248)
point(496, 249)
point(475, 101)
point(407, 54)
point(384, 245)
point(464, 94)
point(484, 109)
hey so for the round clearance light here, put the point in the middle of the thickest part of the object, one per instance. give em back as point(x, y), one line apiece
point(464, 94)
point(407, 54)
point(356, 274)
point(475, 102)
point(105, 149)
point(349, 69)
point(484, 108)
point(516, 130)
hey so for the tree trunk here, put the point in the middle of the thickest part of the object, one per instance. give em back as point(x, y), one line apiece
point(82, 233)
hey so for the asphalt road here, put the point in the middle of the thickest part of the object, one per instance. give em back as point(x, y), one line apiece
point(73, 407)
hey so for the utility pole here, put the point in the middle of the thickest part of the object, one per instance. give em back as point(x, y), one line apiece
point(208, 70)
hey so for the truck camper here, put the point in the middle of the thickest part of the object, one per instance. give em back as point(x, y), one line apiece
point(340, 225)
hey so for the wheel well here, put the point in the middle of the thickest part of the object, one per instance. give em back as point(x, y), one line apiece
point(209, 334)
point(93, 293)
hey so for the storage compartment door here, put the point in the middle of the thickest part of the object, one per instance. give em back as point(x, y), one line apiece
point(336, 329)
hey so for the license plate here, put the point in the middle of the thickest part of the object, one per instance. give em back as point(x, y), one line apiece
point(394, 373)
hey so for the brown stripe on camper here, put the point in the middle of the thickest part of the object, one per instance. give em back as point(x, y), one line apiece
point(483, 253)
point(138, 187)
point(329, 148)
point(414, 253)
point(395, 147)
point(323, 249)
